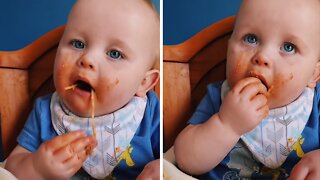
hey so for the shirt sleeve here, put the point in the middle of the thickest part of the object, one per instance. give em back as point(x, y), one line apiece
point(28, 138)
point(317, 100)
point(208, 106)
point(38, 127)
point(155, 128)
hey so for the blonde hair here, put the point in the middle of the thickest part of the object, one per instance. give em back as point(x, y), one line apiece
point(156, 61)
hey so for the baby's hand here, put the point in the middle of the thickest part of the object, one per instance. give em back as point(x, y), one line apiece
point(308, 167)
point(62, 157)
point(244, 106)
point(151, 171)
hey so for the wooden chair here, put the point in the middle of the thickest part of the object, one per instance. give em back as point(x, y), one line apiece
point(25, 75)
point(187, 69)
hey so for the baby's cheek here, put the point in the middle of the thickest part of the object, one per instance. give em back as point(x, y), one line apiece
point(62, 78)
point(236, 73)
point(59, 76)
point(277, 88)
point(110, 84)
point(115, 82)
point(237, 67)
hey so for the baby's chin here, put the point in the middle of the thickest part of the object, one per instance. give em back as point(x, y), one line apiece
point(76, 109)
point(272, 105)
point(81, 113)
point(274, 102)
point(88, 113)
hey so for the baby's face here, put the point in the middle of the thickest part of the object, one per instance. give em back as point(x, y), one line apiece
point(107, 47)
point(277, 42)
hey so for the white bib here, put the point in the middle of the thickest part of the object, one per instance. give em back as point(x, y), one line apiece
point(114, 132)
point(273, 139)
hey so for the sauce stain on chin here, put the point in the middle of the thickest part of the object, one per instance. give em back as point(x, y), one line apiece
point(277, 86)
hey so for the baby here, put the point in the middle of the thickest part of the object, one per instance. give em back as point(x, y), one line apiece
point(102, 120)
point(263, 121)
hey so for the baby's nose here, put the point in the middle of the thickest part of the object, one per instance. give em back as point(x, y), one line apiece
point(261, 60)
point(87, 62)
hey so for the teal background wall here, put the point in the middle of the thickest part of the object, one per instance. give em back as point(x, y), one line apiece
point(23, 21)
point(184, 18)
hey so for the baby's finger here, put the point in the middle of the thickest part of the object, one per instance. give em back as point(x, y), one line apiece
point(78, 157)
point(263, 112)
point(253, 89)
point(65, 139)
point(82, 155)
point(243, 83)
point(72, 165)
point(150, 171)
point(76, 161)
point(259, 101)
point(299, 172)
point(82, 143)
point(65, 153)
point(314, 175)
point(74, 147)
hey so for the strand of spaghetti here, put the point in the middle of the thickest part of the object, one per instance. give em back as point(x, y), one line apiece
point(70, 87)
point(92, 114)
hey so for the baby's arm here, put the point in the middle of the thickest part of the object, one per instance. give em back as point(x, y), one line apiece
point(199, 148)
point(58, 158)
point(308, 167)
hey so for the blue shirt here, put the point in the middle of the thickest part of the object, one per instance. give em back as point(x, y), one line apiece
point(145, 143)
point(239, 158)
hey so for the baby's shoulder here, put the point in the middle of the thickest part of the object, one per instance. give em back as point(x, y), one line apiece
point(153, 100)
point(43, 101)
point(215, 87)
point(317, 88)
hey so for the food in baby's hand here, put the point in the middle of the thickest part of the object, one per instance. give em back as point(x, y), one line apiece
point(260, 77)
point(88, 150)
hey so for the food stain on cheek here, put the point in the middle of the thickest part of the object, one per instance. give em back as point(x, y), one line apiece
point(277, 86)
point(240, 65)
point(113, 84)
point(238, 68)
point(238, 71)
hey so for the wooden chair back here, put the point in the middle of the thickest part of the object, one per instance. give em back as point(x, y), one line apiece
point(25, 74)
point(187, 70)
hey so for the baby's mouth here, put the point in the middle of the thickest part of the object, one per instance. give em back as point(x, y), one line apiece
point(261, 78)
point(84, 86)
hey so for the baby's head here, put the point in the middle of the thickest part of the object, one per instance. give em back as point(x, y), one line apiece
point(109, 47)
point(277, 41)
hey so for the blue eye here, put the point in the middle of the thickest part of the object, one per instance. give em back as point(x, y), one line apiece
point(114, 54)
point(288, 48)
point(250, 39)
point(78, 44)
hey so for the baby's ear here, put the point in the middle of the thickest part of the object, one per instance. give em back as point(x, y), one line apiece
point(150, 80)
point(315, 77)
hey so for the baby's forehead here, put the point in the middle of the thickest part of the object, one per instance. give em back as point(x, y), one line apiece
point(139, 12)
point(125, 6)
point(274, 9)
point(134, 22)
